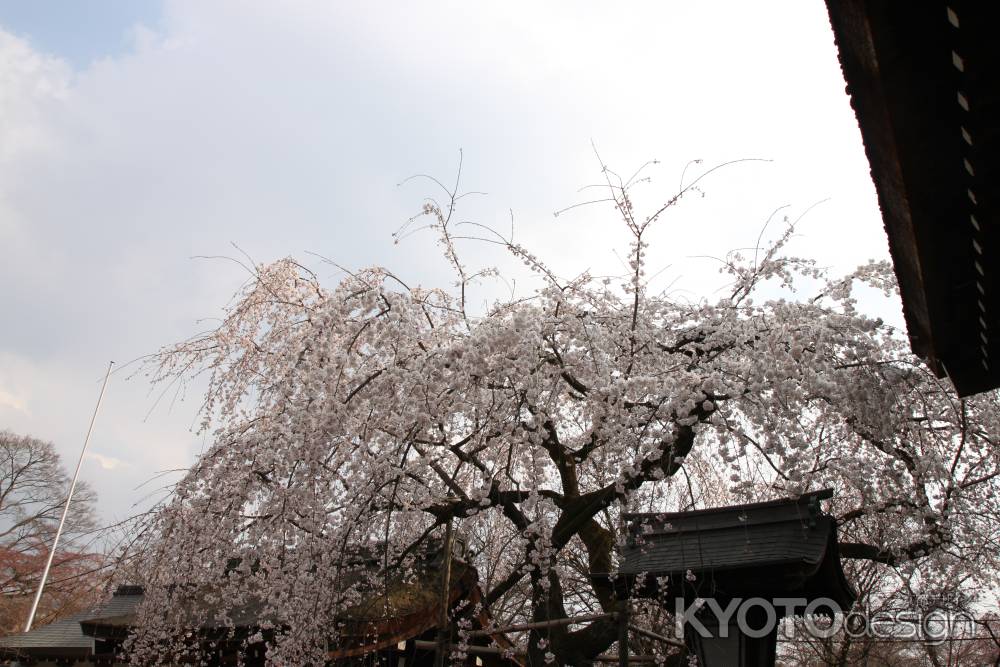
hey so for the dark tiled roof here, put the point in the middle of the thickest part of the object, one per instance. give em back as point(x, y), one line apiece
point(119, 616)
point(124, 602)
point(65, 638)
point(62, 636)
point(728, 537)
point(777, 548)
point(728, 548)
point(119, 611)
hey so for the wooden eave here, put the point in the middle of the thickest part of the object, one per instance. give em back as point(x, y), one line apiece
point(922, 78)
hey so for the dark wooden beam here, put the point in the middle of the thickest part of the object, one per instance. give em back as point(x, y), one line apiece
point(923, 82)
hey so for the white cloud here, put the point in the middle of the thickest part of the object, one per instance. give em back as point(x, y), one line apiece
point(9, 400)
point(29, 81)
point(106, 462)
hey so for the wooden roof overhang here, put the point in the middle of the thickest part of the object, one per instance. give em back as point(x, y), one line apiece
point(922, 78)
point(782, 548)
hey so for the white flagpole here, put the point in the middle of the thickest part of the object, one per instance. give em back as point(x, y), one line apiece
point(69, 498)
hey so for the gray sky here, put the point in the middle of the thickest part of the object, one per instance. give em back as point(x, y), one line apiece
point(136, 135)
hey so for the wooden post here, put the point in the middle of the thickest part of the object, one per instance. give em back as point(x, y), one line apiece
point(623, 618)
point(444, 629)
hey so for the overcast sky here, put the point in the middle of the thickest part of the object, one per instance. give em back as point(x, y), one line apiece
point(135, 135)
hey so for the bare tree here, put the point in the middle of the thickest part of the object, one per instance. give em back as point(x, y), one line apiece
point(33, 488)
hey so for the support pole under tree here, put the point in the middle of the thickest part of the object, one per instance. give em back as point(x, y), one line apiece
point(444, 631)
point(623, 619)
point(69, 499)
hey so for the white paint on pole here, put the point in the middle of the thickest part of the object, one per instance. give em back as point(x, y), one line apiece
point(69, 499)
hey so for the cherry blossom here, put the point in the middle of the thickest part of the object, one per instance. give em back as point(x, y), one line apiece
point(363, 416)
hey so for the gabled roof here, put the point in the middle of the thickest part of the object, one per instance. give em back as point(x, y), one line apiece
point(781, 548)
